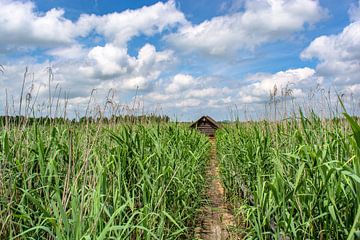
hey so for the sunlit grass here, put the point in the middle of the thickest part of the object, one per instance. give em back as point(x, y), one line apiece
point(94, 181)
point(297, 179)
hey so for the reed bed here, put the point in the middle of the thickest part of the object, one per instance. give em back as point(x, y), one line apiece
point(100, 181)
point(296, 179)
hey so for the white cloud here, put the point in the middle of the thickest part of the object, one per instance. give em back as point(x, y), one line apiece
point(142, 73)
point(180, 82)
point(122, 71)
point(207, 92)
point(108, 61)
point(157, 97)
point(298, 81)
point(261, 21)
point(220, 102)
point(119, 28)
point(188, 103)
point(11, 81)
point(354, 12)
point(21, 25)
point(74, 51)
point(78, 68)
point(133, 83)
point(149, 62)
point(81, 66)
point(339, 55)
point(355, 88)
point(184, 91)
point(124, 84)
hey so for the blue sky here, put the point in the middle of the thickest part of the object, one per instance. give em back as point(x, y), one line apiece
point(180, 58)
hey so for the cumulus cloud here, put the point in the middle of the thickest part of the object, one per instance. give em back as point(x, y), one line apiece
point(108, 61)
point(119, 28)
point(222, 102)
point(355, 88)
point(21, 25)
point(354, 12)
point(127, 72)
point(80, 63)
point(74, 51)
point(180, 82)
point(207, 92)
point(184, 91)
point(188, 103)
point(261, 21)
point(11, 81)
point(140, 73)
point(157, 97)
point(298, 81)
point(339, 55)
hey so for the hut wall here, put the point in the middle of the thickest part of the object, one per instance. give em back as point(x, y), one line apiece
point(206, 128)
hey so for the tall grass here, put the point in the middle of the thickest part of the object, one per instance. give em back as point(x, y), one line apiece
point(71, 181)
point(297, 179)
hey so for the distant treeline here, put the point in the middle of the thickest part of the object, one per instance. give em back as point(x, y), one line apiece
point(15, 120)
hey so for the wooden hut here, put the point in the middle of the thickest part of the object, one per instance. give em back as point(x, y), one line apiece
point(206, 125)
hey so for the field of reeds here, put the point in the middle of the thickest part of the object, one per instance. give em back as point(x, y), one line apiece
point(100, 181)
point(143, 177)
point(293, 179)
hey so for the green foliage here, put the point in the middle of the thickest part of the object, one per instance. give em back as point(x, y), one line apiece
point(299, 179)
point(72, 181)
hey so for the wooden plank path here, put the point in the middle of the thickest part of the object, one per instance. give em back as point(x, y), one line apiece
point(216, 220)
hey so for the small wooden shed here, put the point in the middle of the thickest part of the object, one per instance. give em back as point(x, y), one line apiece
point(206, 125)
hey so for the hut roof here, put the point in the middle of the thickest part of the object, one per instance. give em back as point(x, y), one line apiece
point(208, 118)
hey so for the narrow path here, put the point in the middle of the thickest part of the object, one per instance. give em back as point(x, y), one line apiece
point(216, 219)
